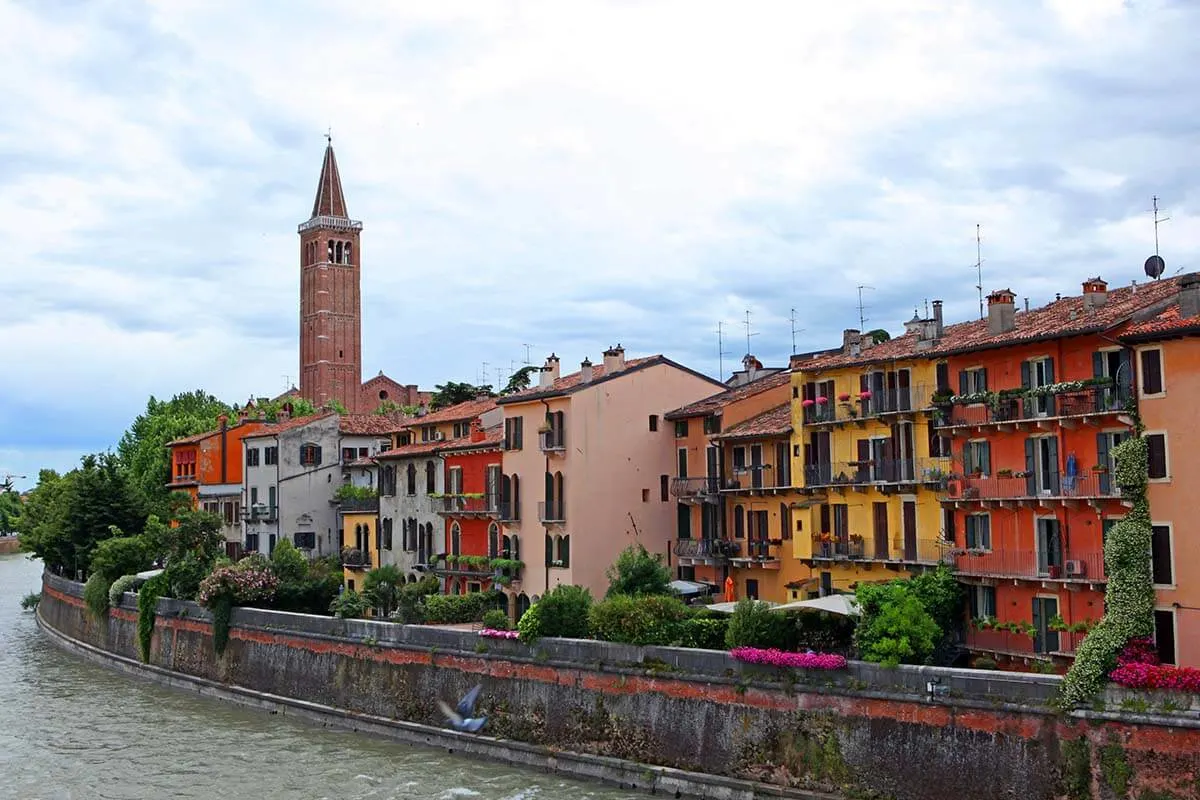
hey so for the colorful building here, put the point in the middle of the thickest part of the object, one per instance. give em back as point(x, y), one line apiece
point(593, 475)
point(1039, 400)
point(865, 455)
point(208, 467)
point(1167, 348)
point(470, 508)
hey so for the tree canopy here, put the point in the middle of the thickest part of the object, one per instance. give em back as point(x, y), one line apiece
point(10, 510)
point(520, 380)
point(452, 393)
point(638, 572)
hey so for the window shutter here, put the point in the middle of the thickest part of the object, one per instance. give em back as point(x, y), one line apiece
point(1054, 467)
point(1030, 468)
point(970, 531)
point(1156, 445)
point(825, 526)
point(1026, 377)
point(984, 378)
point(1160, 555)
point(985, 457)
point(1102, 459)
point(1097, 365)
point(1151, 371)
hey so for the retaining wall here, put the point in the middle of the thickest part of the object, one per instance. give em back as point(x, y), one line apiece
point(912, 732)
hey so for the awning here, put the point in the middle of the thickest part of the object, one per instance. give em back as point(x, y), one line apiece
point(689, 588)
point(727, 608)
point(842, 604)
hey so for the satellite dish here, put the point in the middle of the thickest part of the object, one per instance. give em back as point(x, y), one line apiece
point(1155, 266)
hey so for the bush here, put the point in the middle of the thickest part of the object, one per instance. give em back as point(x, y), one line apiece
point(705, 633)
point(644, 620)
point(349, 605)
point(95, 595)
point(184, 576)
point(288, 563)
point(122, 555)
point(985, 662)
point(382, 587)
point(900, 631)
point(529, 626)
point(227, 586)
point(754, 624)
point(119, 587)
point(410, 602)
point(496, 620)
point(448, 609)
point(31, 600)
point(564, 612)
point(636, 572)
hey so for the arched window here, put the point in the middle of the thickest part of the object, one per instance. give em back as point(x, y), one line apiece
point(346, 254)
point(564, 550)
point(523, 604)
point(329, 253)
point(739, 522)
point(412, 478)
point(494, 541)
point(455, 539)
point(430, 478)
point(549, 549)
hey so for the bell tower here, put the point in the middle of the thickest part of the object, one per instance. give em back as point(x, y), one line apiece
point(330, 304)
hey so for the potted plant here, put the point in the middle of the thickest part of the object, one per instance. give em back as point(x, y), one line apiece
point(1004, 473)
point(844, 397)
point(1099, 469)
point(1057, 623)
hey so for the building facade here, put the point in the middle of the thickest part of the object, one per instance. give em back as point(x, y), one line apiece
point(470, 508)
point(587, 466)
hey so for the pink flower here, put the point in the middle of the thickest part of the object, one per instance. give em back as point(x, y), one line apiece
point(492, 633)
point(822, 401)
point(807, 403)
point(780, 658)
point(864, 395)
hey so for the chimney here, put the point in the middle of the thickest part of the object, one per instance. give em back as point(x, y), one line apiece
point(243, 415)
point(585, 371)
point(422, 409)
point(477, 430)
point(937, 319)
point(1189, 295)
point(223, 422)
point(614, 359)
point(752, 365)
point(1095, 294)
point(1001, 312)
point(851, 341)
point(549, 372)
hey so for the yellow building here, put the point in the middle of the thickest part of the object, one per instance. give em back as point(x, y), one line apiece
point(360, 543)
point(865, 454)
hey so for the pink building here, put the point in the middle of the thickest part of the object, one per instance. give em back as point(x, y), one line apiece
point(588, 460)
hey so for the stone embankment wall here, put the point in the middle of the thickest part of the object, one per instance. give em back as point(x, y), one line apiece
point(9, 545)
point(919, 733)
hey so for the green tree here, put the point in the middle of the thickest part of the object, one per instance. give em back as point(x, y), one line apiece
point(143, 452)
point(288, 563)
point(519, 380)
point(879, 336)
point(121, 555)
point(386, 407)
point(451, 393)
point(895, 627)
point(382, 587)
point(10, 510)
point(636, 572)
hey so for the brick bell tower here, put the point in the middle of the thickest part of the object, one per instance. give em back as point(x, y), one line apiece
point(330, 304)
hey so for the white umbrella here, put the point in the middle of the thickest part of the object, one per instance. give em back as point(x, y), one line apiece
point(843, 604)
point(727, 608)
point(692, 587)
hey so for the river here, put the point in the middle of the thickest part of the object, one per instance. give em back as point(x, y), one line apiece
point(72, 729)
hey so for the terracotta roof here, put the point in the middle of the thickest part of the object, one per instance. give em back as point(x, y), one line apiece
point(199, 437)
point(493, 437)
point(1059, 319)
point(773, 422)
point(275, 428)
point(372, 424)
point(365, 461)
point(1165, 323)
point(409, 450)
point(572, 383)
point(716, 402)
point(466, 410)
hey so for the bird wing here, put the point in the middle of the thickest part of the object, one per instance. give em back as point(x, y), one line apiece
point(474, 725)
point(466, 706)
point(450, 713)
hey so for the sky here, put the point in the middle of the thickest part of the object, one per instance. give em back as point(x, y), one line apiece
point(563, 175)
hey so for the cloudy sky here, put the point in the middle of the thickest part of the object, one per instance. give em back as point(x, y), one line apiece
point(565, 174)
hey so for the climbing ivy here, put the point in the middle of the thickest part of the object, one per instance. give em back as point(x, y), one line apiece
point(1129, 598)
point(147, 607)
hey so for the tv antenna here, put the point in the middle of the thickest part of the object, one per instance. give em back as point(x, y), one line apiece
point(483, 373)
point(748, 333)
point(527, 349)
point(862, 319)
point(979, 267)
point(287, 383)
point(720, 352)
point(1155, 266)
point(794, 330)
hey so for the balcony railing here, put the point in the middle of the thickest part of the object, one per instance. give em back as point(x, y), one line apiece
point(1050, 564)
point(708, 549)
point(1090, 402)
point(551, 442)
point(509, 511)
point(758, 476)
point(355, 558)
point(696, 489)
point(927, 471)
point(465, 505)
point(551, 511)
point(870, 548)
point(259, 513)
point(1023, 487)
point(990, 640)
point(759, 551)
point(861, 406)
point(358, 504)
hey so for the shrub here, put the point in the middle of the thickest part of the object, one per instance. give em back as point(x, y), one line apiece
point(410, 606)
point(448, 609)
point(119, 587)
point(31, 600)
point(779, 658)
point(822, 631)
point(349, 605)
point(754, 624)
point(121, 555)
point(529, 626)
point(705, 633)
point(382, 587)
point(644, 620)
point(564, 612)
point(985, 662)
point(636, 571)
point(226, 586)
point(899, 631)
point(288, 563)
point(185, 575)
point(95, 595)
point(495, 620)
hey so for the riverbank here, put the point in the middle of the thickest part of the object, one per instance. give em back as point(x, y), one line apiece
point(711, 725)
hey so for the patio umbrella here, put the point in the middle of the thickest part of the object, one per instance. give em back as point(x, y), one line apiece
point(842, 604)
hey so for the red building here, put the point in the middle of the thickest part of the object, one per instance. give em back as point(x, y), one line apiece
point(470, 507)
point(1040, 400)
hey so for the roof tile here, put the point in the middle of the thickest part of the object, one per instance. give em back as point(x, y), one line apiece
point(571, 382)
point(776, 421)
point(721, 399)
point(467, 410)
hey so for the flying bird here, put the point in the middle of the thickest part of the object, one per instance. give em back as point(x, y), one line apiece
point(460, 718)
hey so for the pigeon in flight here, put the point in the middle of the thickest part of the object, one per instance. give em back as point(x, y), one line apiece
point(460, 717)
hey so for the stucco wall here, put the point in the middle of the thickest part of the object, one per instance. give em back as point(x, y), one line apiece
point(860, 731)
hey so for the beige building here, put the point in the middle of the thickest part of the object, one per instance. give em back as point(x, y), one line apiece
point(588, 462)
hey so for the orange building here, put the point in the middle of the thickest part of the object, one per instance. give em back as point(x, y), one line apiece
point(208, 467)
point(470, 506)
point(1168, 383)
point(1040, 400)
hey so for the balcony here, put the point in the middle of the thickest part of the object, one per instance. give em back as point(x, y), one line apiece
point(859, 407)
point(1020, 645)
point(551, 512)
point(1025, 489)
point(509, 511)
point(357, 505)
point(895, 551)
point(1031, 565)
point(465, 505)
point(260, 512)
point(690, 552)
point(1015, 411)
point(696, 490)
point(763, 478)
point(859, 475)
point(763, 553)
point(356, 559)
point(552, 442)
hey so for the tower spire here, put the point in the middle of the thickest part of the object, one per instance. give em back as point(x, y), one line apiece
point(329, 202)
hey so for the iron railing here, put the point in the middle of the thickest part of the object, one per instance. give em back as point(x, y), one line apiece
point(1032, 486)
point(928, 471)
point(695, 488)
point(1052, 563)
point(452, 504)
point(1064, 405)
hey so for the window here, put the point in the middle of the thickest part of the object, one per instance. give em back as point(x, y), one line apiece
point(1045, 639)
point(681, 462)
point(455, 539)
point(455, 476)
point(939, 444)
point(1156, 447)
point(739, 522)
point(971, 381)
point(348, 454)
point(983, 601)
point(785, 522)
point(979, 531)
point(1152, 375)
point(253, 495)
point(942, 372)
point(1160, 555)
point(663, 487)
point(1041, 466)
point(387, 481)
point(427, 433)
point(564, 549)
point(252, 542)
point(752, 588)
point(270, 455)
point(412, 479)
point(305, 540)
point(681, 428)
point(252, 457)
point(461, 429)
point(310, 455)
point(1035, 374)
point(387, 533)
point(977, 457)
point(683, 516)
point(513, 433)
point(271, 502)
point(430, 478)
point(712, 424)
point(1164, 635)
point(654, 422)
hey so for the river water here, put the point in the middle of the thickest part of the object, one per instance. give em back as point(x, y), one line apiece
point(70, 728)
